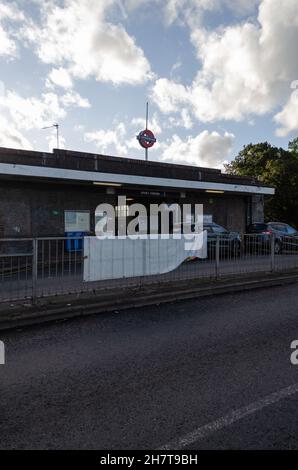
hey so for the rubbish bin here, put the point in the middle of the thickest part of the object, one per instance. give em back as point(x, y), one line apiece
point(75, 241)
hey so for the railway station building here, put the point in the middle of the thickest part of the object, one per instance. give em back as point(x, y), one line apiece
point(53, 194)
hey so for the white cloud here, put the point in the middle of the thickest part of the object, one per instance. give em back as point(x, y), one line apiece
point(180, 10)
point(33, 113)
point(130, 5)
point(9, 13)
point(206, 149)
point(9, 10)
point(169, 95)
point(107, 140)
point(7, 45)
point(154, 124)
point(184, 121)
point(11, 137)
point(192, 11)
point(287, 119)
point(245, 70)
point(77, 37)
point(74, 99)
point(59, 77)
point(122, 140)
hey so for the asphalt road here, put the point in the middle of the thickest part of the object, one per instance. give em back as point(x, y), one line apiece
point(212, 373)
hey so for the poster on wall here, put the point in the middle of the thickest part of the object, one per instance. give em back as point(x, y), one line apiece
point(77, 221)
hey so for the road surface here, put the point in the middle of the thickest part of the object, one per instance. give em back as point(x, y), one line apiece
point(212, 373)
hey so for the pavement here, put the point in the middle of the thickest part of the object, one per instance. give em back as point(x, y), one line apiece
point(210, 373)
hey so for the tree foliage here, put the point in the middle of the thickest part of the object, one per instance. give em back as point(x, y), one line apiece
point(274, 167)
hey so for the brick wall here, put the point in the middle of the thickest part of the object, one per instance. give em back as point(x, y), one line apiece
point(37, 209)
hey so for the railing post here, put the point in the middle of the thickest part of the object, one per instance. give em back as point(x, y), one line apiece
point(272, 252)
point(217, 256)
point(34, 270)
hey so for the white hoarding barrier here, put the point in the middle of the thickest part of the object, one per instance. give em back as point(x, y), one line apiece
point(2, 353)
point(114, 258)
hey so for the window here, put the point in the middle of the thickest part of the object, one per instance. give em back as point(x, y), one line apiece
point(77, 221)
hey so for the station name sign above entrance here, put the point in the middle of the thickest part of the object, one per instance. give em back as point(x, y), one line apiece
point(153, 193)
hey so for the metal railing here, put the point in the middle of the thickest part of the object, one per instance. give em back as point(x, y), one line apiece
point(40, 267)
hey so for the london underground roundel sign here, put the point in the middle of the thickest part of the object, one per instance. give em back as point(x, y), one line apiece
point(146, 139)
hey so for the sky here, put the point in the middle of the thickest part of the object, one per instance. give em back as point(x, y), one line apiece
point(218, 74)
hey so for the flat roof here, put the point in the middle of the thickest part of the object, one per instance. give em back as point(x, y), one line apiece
point(79, 166)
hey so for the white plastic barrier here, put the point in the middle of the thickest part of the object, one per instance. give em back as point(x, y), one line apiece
point(123, 258)
point(2, 353)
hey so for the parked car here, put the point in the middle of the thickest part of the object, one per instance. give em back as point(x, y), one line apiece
point(229, 241)
point(285, 237)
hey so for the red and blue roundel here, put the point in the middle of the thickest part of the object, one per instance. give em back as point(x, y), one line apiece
point(146, 139)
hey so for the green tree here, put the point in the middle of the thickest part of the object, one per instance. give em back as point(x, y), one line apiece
point(293, 145)
point(274, 167)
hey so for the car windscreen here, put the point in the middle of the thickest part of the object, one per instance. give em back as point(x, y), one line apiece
point(291, 230)
point(279, 227)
